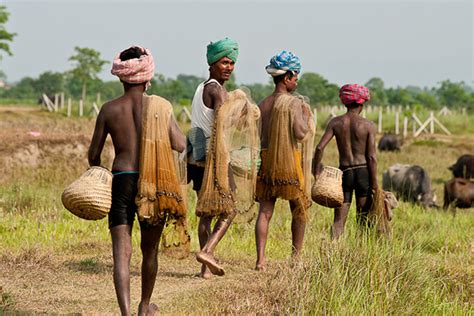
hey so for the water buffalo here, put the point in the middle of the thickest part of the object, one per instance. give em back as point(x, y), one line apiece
point(459, 193)
point(390, 142)
point(410, 183)
point(464, 167)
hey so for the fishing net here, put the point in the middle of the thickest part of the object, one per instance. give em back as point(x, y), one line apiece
point(232, 159)
point(286, 164)
point(161, 190)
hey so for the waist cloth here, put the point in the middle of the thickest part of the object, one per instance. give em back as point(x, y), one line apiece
point(355, 178)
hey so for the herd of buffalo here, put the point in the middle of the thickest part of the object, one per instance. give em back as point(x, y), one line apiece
point(412, 183)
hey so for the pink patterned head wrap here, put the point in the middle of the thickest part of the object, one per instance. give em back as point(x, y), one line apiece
point(136, 70)
point(354, 93)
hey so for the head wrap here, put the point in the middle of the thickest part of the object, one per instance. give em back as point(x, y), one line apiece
point(282, 63)
point(354, 93)
point(223, 48)
point(136, 70)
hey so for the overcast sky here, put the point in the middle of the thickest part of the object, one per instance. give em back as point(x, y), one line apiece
point(403, 42)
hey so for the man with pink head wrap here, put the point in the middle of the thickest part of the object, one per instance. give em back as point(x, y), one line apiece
point(355, 137)
point(122, 119)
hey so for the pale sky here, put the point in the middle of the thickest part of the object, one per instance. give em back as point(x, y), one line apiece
point(403, 42)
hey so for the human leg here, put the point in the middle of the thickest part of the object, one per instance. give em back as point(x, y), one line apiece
point(122, 252)
point(150, 238)
point(265, 213)
point(298, 226)
point(204, 231)
point(340, 217)
point(206, 256)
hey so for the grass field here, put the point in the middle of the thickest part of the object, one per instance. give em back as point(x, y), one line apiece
point(53, 262)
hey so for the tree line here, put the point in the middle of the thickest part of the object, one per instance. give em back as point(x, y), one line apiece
point(82, 82)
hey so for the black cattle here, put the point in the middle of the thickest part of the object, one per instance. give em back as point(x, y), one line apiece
point(464, 167)
point(390, 142)
point(458, 192)
point(409, 183)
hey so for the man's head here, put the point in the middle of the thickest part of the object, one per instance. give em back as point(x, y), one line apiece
point(284, 68)
point(354, 95)
point(134, 66)
point(221, 57)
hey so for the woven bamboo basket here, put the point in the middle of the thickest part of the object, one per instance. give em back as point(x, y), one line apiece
point(327, 190)
point(90, 196)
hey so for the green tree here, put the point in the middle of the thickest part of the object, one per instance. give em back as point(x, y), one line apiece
point(5, 36)
point(50, 83)
point(318, 89)
point(87, 64)
point(377, 91)
point(453, 94)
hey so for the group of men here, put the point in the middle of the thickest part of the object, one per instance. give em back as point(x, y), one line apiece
point(147, 183)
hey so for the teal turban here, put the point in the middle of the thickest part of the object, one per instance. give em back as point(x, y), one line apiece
point(223, 48)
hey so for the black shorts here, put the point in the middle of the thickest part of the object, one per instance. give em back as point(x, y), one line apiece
point(124, 191)
point(355, 178)
point(196, 174)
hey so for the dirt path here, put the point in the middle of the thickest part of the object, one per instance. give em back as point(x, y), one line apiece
point(35, 283)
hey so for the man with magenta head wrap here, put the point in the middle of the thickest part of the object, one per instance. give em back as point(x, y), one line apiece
point(286, 140)
point(355, 137)
point(122, 119)
point(209, 96)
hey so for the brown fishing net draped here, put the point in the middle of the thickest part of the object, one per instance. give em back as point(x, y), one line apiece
point(161, 196)
point(286, 164)
point(232, 158)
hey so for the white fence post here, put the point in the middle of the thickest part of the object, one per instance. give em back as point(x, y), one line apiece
point(397, 131)
point(380, 121)
point(69, 104)
point(81, 107)
point(405, 126)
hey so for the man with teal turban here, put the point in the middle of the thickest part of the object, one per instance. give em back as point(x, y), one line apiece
point(208, 98)
point(223, 48)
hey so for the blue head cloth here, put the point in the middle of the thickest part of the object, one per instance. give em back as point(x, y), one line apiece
point(283, 62)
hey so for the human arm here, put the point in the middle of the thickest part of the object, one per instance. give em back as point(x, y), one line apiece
point(213, 96)
point(177, 138)
point(318, 154)
point(98, 140)
point(370, 156)
point(300, 123)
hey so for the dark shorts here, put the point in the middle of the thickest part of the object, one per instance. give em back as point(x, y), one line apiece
point(196, 174)
point(123, 209)
point(355, 178)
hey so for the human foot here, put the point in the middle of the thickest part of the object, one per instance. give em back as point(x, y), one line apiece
point(210, 262)
point(260, 267)
point(205, 272)
point(148, 310)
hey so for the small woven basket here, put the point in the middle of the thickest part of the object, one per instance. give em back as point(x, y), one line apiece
point(90, 196)
point(327, 190)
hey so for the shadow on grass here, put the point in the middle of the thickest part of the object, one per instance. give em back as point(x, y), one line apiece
point(89, 266)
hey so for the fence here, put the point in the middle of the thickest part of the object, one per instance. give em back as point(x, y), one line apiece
point(59, 103)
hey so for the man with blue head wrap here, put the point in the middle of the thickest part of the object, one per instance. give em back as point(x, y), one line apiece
point(285, 170)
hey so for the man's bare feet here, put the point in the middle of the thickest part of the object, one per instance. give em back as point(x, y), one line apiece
point(260, 267)
point(210, 262)
point(205, 272)
point(150, 310)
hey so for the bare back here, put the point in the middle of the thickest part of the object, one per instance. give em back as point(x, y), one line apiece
point(351, 132)
point(121, 118)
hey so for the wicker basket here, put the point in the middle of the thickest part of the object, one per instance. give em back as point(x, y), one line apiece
point(327, 190)
point(90, 196)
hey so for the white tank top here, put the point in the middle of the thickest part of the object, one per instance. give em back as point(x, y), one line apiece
point(201, 115)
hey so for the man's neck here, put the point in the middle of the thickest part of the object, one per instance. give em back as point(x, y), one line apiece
point(134, 90)
point(280, 88)
point(221, 81)
point(354, 111)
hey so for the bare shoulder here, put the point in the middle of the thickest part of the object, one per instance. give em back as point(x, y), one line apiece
point(266, 102)
point(369, 124)
point(212, 89)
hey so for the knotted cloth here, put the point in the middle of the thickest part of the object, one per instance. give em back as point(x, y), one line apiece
point(135, 70)
point(283, 62)
point(354, 93)
point(223, 48)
